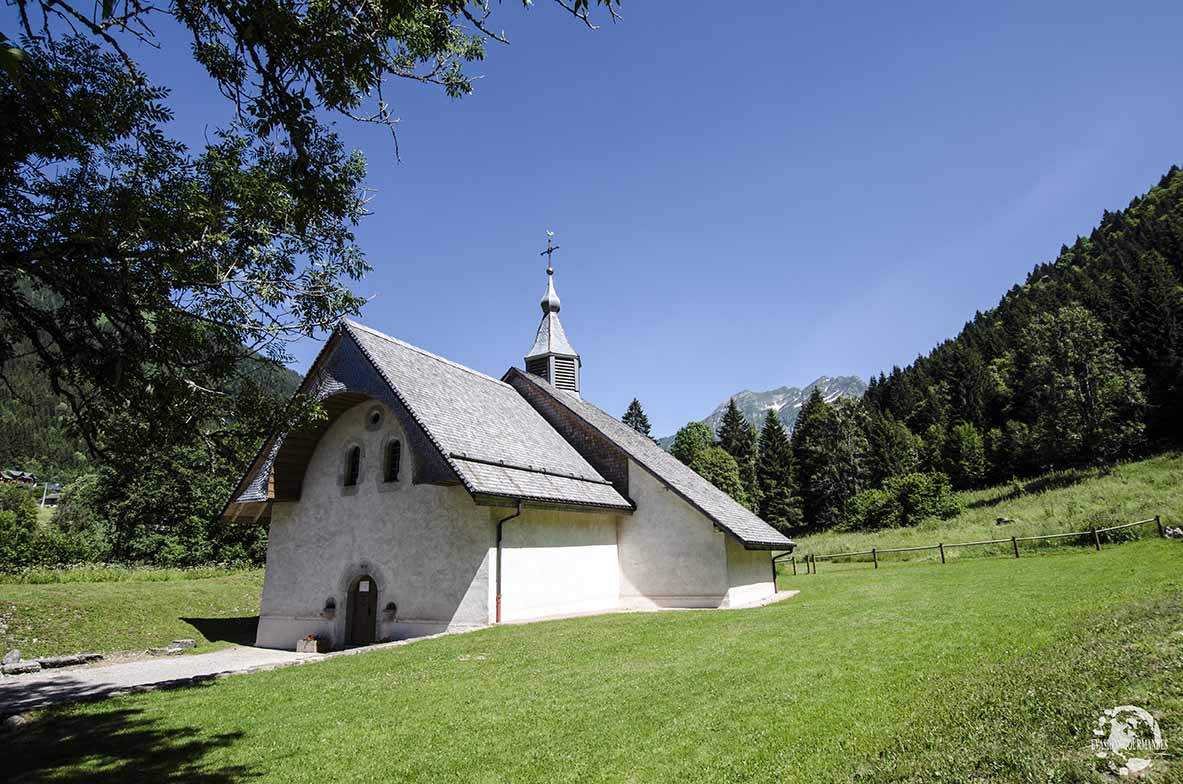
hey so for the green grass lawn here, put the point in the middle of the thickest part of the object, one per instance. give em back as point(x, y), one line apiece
point(1054, 503)
point(127, 610)
point(982, 670)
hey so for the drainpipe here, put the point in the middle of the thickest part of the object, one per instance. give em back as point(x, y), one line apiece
point(499, 524)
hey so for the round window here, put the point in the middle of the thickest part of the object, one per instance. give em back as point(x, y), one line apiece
point(374, 418)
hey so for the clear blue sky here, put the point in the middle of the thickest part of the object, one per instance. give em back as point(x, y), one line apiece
point(750, 195)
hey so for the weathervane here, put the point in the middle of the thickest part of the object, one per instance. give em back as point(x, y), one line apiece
point(550, 248)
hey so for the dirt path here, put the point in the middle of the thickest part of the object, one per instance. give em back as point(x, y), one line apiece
point(78, 684)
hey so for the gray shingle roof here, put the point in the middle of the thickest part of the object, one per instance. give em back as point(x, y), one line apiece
point(495, 441)
point(710, 500)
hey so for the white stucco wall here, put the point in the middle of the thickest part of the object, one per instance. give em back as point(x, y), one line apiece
point(558, 563)
point(427, 547)
point(670, 554)
point(431, 551)
point(749, 575)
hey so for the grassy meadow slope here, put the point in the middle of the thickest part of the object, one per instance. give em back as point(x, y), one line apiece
point(984, 670)
point(140, 609)
point(1053, 503)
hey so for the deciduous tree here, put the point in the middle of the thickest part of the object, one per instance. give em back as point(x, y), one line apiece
point(1088, 406)
point(719, 468)
point(691, 441)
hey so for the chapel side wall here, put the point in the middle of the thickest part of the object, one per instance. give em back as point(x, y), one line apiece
point(671, 555)
point(558, 563)
point(749, 575)
point(427, 547)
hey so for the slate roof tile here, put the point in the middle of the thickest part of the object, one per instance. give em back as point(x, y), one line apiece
point(713, 502)
point(495, 440)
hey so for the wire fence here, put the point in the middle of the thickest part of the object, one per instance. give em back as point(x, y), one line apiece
point(809, 561)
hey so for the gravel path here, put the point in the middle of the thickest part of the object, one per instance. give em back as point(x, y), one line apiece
point(22, 693)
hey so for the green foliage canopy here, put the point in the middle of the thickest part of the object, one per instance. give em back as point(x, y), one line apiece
point(716, 466)
point(778, 503)
point(738, 438)
point(691, 441)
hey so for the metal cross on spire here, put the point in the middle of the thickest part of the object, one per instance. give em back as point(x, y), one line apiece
point(550, 248)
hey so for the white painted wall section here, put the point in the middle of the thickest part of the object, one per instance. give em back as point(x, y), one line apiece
point(749, 575)
point(558, 563)
point(671, 555)
point(427, 547)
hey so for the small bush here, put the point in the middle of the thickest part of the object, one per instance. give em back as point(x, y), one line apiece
point(903, 501)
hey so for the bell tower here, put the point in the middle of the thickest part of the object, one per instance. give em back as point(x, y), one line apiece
point(552, 356)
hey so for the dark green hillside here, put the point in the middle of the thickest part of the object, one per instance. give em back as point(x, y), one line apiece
point(1040, 384)
point(34, 425)
point(1081, 366)
point(35, 430)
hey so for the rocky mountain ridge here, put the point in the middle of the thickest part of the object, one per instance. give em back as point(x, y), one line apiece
point(787, 401)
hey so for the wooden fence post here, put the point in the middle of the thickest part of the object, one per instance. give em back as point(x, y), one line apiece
point(942, 548)
point(1161, 533)
point(814, 559)
point(1096, 538)
point(875, 557)
point(794, 560)
point(1015, 543)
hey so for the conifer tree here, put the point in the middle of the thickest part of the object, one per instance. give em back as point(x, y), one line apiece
point(738, 438)
point(813, 436)
point(830, 454)
point(635, 418)
point(774, 474)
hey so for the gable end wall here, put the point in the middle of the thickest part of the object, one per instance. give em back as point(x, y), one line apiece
point(608, 459)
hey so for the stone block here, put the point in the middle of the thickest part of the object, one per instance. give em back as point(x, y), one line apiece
point(12, 657)
point(165, 651)
point(183, 644)
point(21, 668)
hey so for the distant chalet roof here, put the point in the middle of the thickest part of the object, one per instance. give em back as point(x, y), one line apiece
point(491, 439)
point(721, 508)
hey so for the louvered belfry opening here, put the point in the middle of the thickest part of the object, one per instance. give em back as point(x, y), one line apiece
point(552, 357)
point(566, 374)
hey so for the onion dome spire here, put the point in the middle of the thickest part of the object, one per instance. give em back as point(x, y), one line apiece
point(552, 357)
point(550, 300)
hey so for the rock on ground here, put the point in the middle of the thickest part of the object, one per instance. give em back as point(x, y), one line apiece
point(21, 668)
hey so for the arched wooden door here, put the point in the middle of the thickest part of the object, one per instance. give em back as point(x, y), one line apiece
point(363, 606)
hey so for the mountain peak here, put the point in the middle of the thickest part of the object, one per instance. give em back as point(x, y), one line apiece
point(786, 401)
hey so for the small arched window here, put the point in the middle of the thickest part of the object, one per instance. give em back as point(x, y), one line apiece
point(352, 466)
point(394, 457)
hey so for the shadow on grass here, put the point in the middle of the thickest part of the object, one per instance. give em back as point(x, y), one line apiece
point(240, 631)
point(1042, 484)
point(116, 745)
